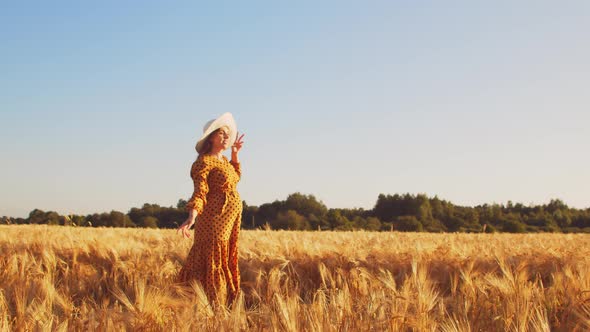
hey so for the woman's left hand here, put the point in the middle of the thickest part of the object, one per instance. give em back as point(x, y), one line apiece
point(186, 225)
point(237, 145)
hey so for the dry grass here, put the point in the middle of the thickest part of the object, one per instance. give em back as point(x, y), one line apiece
point(64, 278)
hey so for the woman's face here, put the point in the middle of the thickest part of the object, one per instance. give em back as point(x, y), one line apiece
point(220, 139)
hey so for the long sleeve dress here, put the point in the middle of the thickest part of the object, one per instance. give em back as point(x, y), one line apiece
point(213, 258)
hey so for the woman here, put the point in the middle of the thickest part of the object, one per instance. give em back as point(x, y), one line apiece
point(217, 207)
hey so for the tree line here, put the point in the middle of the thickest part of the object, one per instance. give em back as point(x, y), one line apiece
point(406, 213)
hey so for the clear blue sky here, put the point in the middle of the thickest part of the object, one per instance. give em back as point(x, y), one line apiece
point(101, 102)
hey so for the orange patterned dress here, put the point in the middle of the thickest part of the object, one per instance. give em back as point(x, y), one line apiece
point(213, 258)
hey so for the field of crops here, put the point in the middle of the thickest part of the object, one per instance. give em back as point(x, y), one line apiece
point(57, 278)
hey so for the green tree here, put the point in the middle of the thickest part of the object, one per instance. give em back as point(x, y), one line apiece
point(408, 224)
point(268, 212)
point(372, 224)
point(78, 220)
point(318, 223)
point(149, 222)
point(305, 205)
point(542, 220)
point(471, 219)
point(181, 204)
point(455, 224)
point(291, 220)
point(556, 204)
point(119, 219)
point(335, 219)
point(513, 226)
point(249, 216)
point(562, 218)
point(40, 217)
point(437, 208)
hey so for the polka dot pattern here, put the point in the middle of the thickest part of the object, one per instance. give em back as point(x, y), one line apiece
point(213, 258)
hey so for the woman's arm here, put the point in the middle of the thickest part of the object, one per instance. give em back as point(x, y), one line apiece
point(194, 207)
point(199, 173)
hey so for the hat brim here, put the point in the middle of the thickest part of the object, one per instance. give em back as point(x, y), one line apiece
point(225, 120)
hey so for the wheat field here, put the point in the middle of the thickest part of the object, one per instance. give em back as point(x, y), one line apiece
point(56, 278)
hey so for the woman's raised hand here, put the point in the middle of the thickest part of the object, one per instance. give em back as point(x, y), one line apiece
point(237, 144)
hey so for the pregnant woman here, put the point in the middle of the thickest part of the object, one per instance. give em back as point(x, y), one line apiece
point(217, 208)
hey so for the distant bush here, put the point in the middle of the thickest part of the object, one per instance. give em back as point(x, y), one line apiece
point(572, 230)
point(513, 226)
point(487, 228)
point(149, 222)
point(408, 224)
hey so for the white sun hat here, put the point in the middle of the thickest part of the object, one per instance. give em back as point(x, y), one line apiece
point(227, 120)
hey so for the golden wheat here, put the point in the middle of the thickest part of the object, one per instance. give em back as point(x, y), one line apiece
point(97, 279)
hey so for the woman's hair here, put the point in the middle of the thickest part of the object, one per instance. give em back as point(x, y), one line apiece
point(207, 145)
